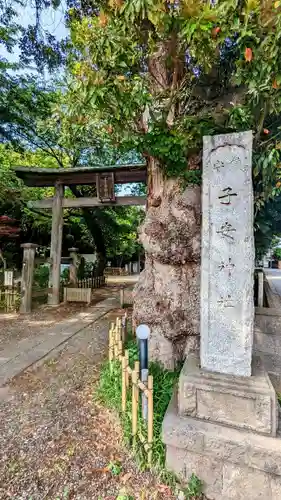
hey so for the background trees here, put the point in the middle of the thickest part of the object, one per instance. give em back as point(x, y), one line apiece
point(36, 129)
point(161, 74)
point(143, 79)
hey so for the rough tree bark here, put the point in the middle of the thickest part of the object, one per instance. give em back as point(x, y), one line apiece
point(167, 295)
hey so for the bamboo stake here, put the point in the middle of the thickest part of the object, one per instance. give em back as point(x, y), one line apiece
point(120, 349)
point(119, 330)
point(124, 327)
point(124, 384)
point(122, 297)
point(117, 335)
point(111, 349)
point(116, 328)
point(150, 418)
point(116, 341)
point(111, 342)
point(128, 370)
point(135, 401)
point(137, 368)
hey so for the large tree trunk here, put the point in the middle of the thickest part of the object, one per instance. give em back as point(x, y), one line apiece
point(167, 295)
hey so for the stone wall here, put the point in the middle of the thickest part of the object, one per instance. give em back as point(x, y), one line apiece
point(267, 342)
point(272, 298)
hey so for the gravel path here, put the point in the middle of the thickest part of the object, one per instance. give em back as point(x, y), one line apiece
point(56, 441)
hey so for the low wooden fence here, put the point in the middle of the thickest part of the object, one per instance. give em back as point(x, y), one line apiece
point(10, 297)
point(82, 292)
point(77, 294)
point(93, 282)
point(131, 382)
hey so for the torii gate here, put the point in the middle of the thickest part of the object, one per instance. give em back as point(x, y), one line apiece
point(104, 178)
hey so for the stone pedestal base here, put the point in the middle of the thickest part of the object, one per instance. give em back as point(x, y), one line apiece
point(242, 402)
point(234, 464)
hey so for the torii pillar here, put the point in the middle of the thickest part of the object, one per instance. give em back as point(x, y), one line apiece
point(56, 246)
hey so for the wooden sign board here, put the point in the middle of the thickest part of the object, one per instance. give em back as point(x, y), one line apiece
point(105, 187)
point(8, 278)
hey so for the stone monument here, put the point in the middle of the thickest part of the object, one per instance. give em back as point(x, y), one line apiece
point(223, 419)
point(227, 256)
point(73, 268)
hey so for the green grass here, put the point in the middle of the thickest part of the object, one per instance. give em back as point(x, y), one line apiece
point(109, 393)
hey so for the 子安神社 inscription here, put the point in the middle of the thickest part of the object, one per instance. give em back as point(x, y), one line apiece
point(227, 309)
point(225, 198)
point(228, 266)
point(226, 231)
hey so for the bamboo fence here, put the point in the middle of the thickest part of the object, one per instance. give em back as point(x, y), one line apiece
point(131, 381)
point(9, 298)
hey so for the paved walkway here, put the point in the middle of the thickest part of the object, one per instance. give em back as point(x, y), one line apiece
point(18, 356)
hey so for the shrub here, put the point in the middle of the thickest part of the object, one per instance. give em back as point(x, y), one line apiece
point(41, 276)
point(277, 253)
